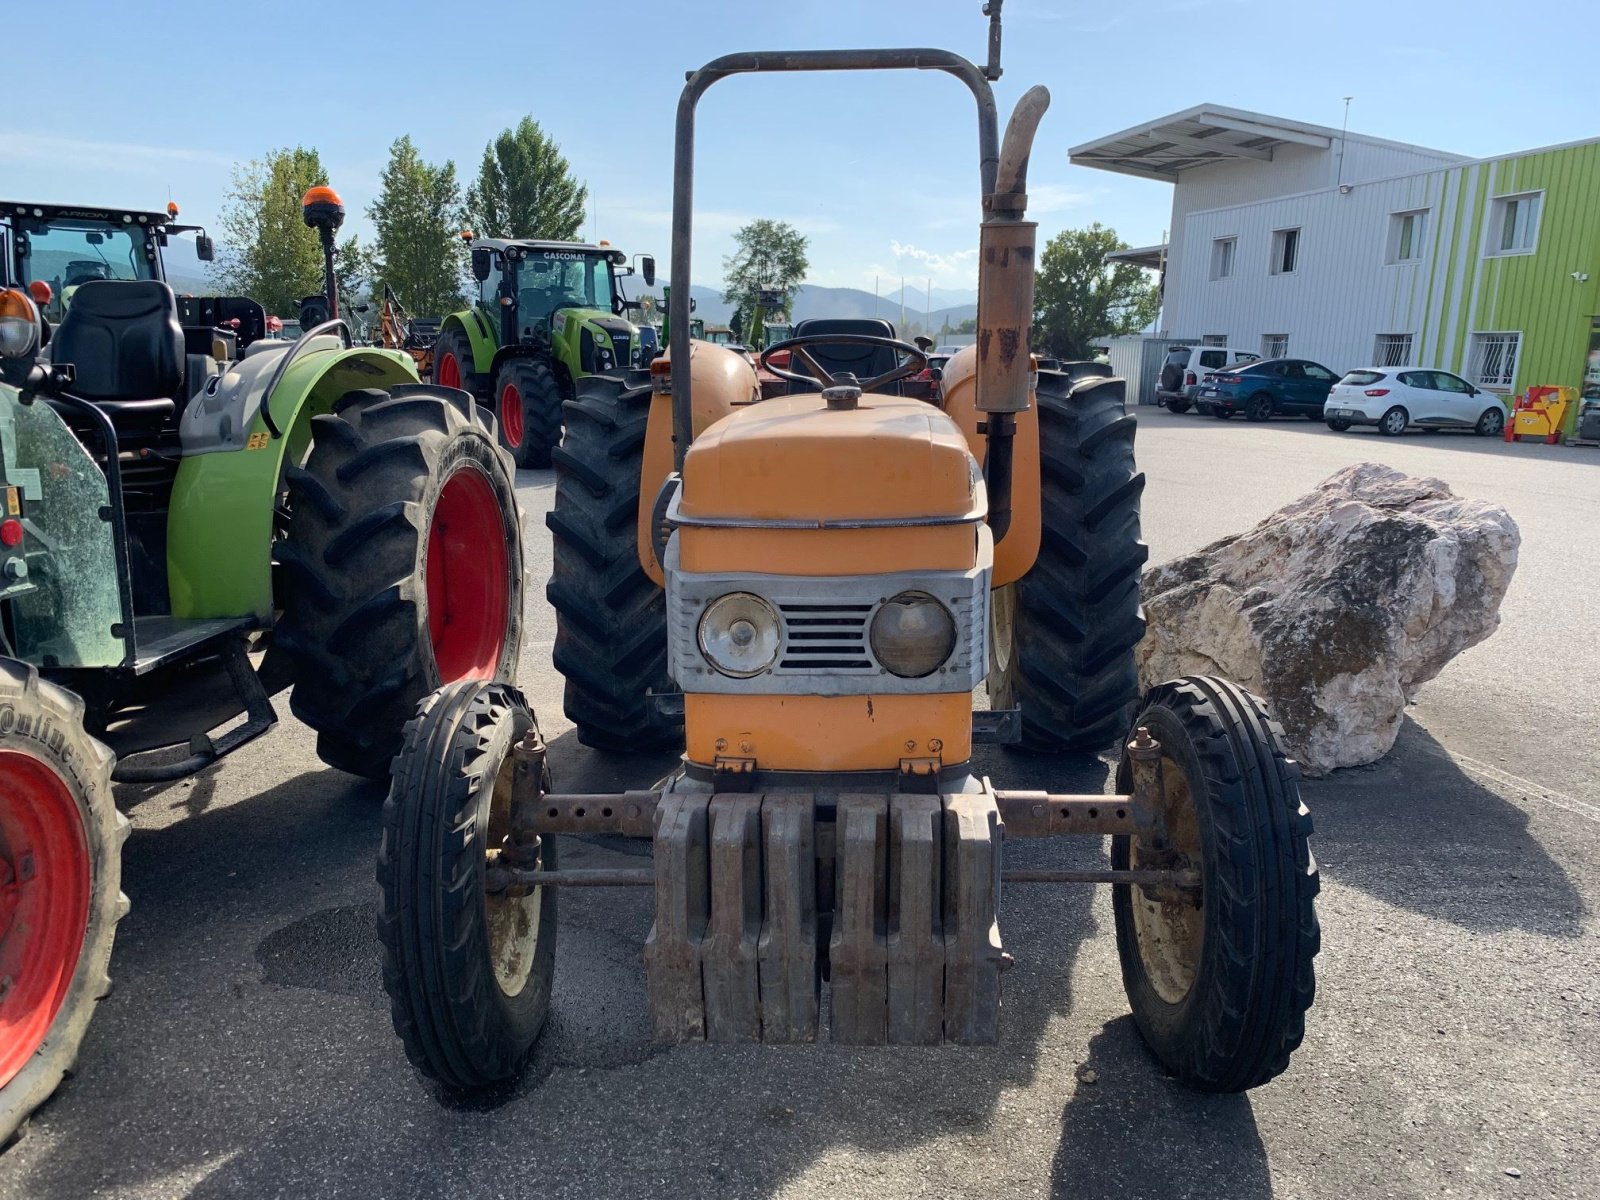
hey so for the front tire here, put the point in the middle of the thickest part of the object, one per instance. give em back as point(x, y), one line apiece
point(1393, 423)
point(468, 971)
point(1492, 423)
point(1220, 983)
point(1222, 414)
point(528, 404)
point(403, 568)
point(1062, 636)
point(60, 886)
point(611, 618)
point(1338, 426)
point(452, 361)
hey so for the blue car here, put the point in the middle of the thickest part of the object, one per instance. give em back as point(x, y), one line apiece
point(1295, 387)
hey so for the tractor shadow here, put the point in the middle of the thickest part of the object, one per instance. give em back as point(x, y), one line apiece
point(1417, 832)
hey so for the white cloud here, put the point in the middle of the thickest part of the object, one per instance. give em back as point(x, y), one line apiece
point(51, 150)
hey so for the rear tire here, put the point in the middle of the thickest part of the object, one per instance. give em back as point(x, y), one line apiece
point(611, 618)
point(1222, 414)
point(468, 972)
point(1178, 406)
point(452, 362)
point(1259, 407)
point(403, 568)
point(528, 404)
point(1220, 990)
point(60, 886)
point(1393, 423)
point(1062, 636)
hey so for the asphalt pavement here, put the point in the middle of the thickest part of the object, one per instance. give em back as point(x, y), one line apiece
point(1454, 1049)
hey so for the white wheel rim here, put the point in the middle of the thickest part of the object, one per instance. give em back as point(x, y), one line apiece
point(1170, 930)
point(512, 921)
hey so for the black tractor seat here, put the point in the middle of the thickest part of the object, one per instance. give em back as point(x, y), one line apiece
point(863, 362)
point(126, 348)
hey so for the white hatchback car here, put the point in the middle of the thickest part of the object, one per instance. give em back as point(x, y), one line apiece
point(1395, 398)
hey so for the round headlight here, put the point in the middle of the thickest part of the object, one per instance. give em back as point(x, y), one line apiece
point(739, 634)
point(19, 324)
point(912, 634)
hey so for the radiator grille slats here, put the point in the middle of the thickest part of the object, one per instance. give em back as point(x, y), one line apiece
point(830, 637)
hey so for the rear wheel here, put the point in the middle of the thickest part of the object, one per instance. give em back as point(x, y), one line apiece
point(468, 971)
point(1178, 406)
point(1220, 979)
point(528, 403)
point(403, 568)
point(1259, 407)
point(611, 618)
point(1393, 423)
point(1062, 636)
point(1222, 414)
point(1492, 423)
point(452, 361)
point(60, 886)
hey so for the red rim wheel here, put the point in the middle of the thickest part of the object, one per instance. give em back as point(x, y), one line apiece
point(449, 372)
point(45, 882)
point(468, 592)
point(511, 416)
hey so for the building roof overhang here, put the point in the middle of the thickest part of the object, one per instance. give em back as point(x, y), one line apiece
point(1197, 137)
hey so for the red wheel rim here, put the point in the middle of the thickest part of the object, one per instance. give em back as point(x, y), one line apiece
point(511, 415)
point(45, 880)
point(469, 596)
point(449, 372)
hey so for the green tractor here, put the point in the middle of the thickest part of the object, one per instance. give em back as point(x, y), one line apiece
point(194, 516)
point(548, 315)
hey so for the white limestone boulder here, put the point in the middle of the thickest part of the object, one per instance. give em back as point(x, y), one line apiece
point(1337, 607)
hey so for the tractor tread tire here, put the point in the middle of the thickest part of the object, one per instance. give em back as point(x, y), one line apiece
point(458, 1027)
point(1244, 1016)
point(540, 390)
point(355, 622)
point(455, 342)
point(46, 721)
point(611, 618)
point(1077, 615)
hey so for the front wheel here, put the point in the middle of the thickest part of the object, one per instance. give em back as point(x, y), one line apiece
point(1222, 414)
point(528, 403)
point(1338, 426)
point(1220, 979)
point(468, 970)
point(1394, 422)
point(452, 361)
point(1259, 408)
point(60, 886)
point(1492, 423)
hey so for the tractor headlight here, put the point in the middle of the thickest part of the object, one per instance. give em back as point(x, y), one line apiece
point(912, 635)
point(19, 324)
point(739, 634)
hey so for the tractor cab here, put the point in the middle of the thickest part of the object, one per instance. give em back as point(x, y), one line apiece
point(548, 315)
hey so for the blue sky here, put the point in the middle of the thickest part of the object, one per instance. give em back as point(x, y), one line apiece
point(879, 170)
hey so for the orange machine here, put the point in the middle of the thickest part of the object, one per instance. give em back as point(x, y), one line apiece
point(1540, 413)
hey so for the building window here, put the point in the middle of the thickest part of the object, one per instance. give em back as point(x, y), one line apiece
point(1274, 345)
point(1222, 250)
point(1514, 224)
point(1493, 362)
point(1407, 232)
point(1214, 339)
point(1392, 350)
point(1285, 251)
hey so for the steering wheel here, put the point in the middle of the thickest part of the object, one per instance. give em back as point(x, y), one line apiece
point(915, 361)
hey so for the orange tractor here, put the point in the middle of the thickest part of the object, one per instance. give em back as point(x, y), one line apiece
point(803, 591)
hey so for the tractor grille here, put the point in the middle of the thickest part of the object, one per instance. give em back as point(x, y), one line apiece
point(825, 637)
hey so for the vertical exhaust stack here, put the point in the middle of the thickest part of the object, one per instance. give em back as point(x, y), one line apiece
point(1006, 244)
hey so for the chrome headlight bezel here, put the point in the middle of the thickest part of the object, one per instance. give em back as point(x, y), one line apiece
point(739, 623)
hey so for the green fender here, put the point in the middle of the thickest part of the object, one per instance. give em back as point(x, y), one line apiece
point(482, 336)
point(219, 528)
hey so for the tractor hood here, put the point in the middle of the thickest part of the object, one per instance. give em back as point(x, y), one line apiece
point(794, 460)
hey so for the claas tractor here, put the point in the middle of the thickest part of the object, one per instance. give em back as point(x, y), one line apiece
point(192, 518)
point(812, 585)
point(548, 315)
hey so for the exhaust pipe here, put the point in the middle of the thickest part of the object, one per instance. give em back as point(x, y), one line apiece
point(1006, 248)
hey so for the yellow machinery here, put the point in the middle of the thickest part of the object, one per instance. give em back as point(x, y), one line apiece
point(802, 592)
point(1541, 413)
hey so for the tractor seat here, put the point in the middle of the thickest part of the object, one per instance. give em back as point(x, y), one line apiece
point(126, 348)
point(862, 361)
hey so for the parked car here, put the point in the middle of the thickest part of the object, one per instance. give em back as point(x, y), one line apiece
point(1188, 367)
point(1395, 399)
point(1287, 386)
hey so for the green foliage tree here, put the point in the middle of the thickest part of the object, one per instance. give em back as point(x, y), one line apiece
point(525, 188)
point(1078, 297)
point(267, 252)
point(768, 254)
point(417, 216)
point(968, 324)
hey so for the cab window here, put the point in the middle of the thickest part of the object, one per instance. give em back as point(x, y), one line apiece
point(68, 254)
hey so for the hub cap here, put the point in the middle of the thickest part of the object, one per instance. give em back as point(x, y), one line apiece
point(45, 881)
point(512, 920)
point(466, 572)
point(511, 415)
point(1170, 928)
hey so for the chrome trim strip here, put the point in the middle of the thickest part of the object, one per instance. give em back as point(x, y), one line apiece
point(979, 509)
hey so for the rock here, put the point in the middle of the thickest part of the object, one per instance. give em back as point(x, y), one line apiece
point(1337, 607)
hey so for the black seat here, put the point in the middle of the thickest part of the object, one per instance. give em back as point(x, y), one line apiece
point(862, 361)
point(125, 345)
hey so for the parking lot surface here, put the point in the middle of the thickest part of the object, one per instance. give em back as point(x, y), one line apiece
point(1454, 1049)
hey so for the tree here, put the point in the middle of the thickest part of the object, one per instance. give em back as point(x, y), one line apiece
point(268, 252)
point(525, 188)
point(417, 216)
point(769, 254)
point(1079, 298)
point(970, 324)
